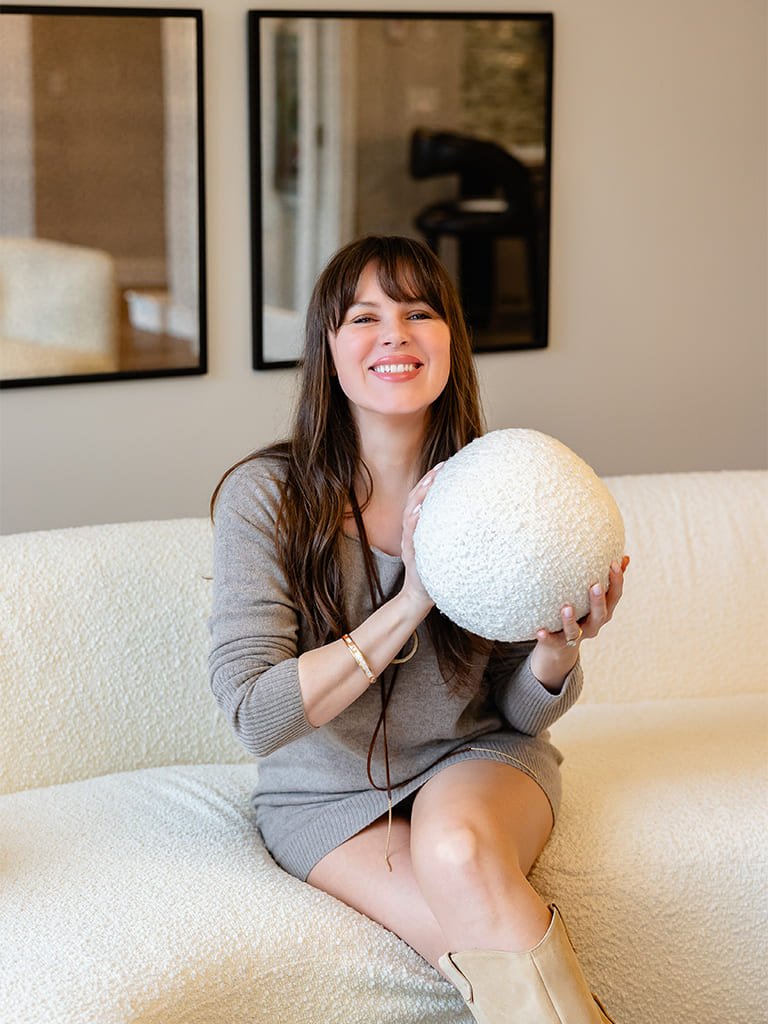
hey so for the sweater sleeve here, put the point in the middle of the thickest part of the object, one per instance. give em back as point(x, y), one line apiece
point(254, 623)
point(524, 702)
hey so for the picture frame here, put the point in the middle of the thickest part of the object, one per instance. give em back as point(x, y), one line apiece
point(102, 194)
point(436, 125)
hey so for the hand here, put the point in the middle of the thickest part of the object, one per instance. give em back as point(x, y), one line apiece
point(555, 654)
point(412, 586)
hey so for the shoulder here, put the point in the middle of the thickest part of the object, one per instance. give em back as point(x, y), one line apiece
point(253, 488)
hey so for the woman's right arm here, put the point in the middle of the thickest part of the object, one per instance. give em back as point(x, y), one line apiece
point(270, 692)
point(330, 677)
point(254, 623)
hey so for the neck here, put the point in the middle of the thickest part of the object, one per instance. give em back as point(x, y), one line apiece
point(392, 450)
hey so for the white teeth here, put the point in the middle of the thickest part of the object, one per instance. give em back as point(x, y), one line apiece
point(395, 368)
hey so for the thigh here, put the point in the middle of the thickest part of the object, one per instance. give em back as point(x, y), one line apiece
point(506, 808)
point(357, 874)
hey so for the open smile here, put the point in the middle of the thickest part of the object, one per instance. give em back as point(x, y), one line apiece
point(393, 369)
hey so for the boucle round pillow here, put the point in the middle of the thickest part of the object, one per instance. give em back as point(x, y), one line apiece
point(515, 526)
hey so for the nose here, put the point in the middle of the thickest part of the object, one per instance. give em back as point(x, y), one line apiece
point(395, 333)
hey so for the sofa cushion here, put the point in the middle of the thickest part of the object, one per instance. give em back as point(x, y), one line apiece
point(699, 572)
point(659, 859)
point(103, 652)
point(148, 896)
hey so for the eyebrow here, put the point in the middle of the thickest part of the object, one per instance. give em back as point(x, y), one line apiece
point(402, 302)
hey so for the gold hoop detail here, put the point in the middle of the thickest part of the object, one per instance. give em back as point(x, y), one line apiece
point(410, 654)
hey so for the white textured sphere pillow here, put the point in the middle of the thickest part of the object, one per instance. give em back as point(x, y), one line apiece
point(515, 526)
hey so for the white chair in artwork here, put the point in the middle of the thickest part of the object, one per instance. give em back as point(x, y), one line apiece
point(59, 309)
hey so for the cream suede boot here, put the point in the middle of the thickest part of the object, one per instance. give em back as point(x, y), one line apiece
point(544, 985)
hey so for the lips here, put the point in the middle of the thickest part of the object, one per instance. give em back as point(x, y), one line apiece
point(396, 368)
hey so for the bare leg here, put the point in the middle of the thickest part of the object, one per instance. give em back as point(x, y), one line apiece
point(458, 869)
point(356, 873)
point(476, 830)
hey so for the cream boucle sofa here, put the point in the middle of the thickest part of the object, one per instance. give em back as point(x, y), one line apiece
point(133, 887)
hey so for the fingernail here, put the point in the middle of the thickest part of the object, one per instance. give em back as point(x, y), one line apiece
point(568, 612)
point(416, 509)
point(597, 590)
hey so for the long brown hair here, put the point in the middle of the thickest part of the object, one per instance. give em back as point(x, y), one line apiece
point(321, 459)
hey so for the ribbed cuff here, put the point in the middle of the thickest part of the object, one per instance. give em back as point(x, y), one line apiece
point(273, 714)
point(536, 707)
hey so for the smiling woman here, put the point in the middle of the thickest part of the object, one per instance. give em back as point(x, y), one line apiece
point(406, 765)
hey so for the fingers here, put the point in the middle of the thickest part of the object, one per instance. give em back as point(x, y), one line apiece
point(601, 608)
point(413, 508)
point(419, 492)
point(615, 584)
point(602, 604)
point(572, 631)
point(427, 480)
point(598, 607)
point(412, 584)
point(569, 636)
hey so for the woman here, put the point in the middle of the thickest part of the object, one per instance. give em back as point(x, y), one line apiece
point(406, 767)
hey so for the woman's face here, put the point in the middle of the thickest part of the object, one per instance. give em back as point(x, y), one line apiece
point(391, 358)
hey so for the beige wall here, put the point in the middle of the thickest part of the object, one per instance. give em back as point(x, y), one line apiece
point(657, 359)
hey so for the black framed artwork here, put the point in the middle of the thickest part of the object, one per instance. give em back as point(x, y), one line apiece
point(102, 194)
point(434, 125)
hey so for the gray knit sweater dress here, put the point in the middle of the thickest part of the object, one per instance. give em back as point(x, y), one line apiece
point(313, 789)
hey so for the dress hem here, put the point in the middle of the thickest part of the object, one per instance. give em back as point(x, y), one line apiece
point(299, 853)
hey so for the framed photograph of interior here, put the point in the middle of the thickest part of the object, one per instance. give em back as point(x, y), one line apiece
point(102, 194)
point(433, 125)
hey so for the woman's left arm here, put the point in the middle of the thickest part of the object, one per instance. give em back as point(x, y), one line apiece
point(533, 692)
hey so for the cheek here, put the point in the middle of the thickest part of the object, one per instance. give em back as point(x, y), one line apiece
point(345, 367)
point(444, 377)
point(444, 359)
point(338, 358)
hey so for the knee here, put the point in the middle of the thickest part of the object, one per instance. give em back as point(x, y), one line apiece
point(466, 851)
point(457, 846)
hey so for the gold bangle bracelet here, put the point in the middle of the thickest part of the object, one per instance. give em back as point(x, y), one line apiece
point(410, 654)
point(359, 657)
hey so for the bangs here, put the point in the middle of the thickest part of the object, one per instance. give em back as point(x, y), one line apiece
point(405, 272)
point(405, 280)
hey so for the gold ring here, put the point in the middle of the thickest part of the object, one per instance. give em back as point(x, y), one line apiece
point(575, 640)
